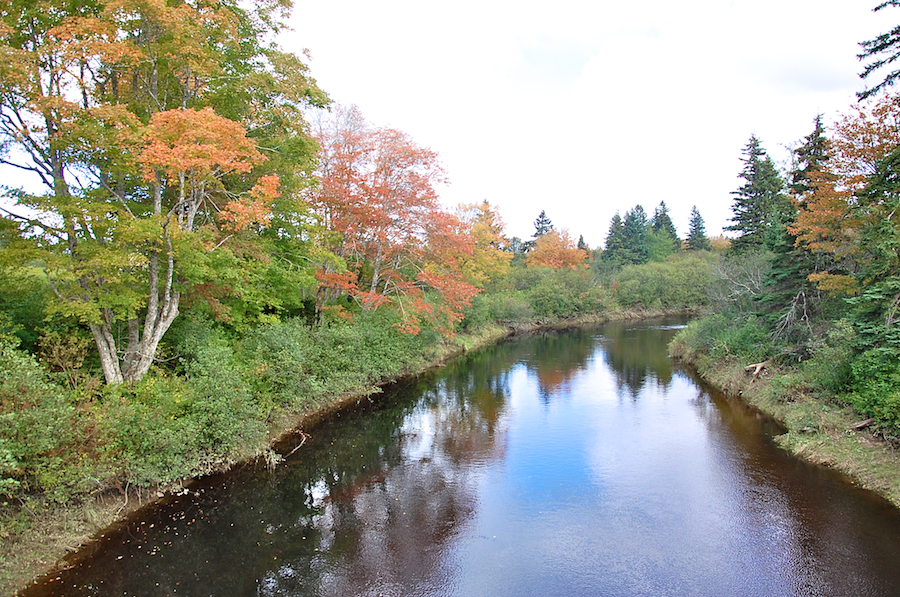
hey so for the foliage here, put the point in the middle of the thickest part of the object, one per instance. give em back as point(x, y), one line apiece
point(112, 108)
point(398, 246)
point(677, 283)
point(556, 249)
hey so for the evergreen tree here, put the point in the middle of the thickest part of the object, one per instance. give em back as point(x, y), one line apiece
point(542, 225)
point(884, 50)
point(789, 298)
point(759, 207)
point(615, 241)
point(661, 221)
point(581, 244)
point(697, 239)
point(810, 157)
point(635, 232)
point(663, 238)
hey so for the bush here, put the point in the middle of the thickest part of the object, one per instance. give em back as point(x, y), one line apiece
point(677, 283)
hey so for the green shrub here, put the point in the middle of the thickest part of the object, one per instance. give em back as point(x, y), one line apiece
point(677, 283)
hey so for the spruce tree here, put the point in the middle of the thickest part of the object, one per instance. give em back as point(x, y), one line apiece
point(790, 298)
point(664, 238)
point(635, 231)
point(883, 50)
point(697, 240)
point(542, 225)
point(759, 207)
point(661, 221)
point(615, 241)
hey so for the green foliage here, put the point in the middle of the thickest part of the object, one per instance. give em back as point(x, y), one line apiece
point(679, 282)
point(37, 422)
point(551, 292)
point(723, 337)
point(294, 364)
point(830, 368)
point(876, 389)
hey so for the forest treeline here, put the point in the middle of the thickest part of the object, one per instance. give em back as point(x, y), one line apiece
point(811, 281)
point(206, 245)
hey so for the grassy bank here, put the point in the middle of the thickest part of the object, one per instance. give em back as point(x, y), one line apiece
point(820, 427)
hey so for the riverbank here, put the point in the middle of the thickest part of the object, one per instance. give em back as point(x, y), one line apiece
point(817, 430)
point(41, 538)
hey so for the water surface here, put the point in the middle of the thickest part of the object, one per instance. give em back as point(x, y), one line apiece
point(576, 463)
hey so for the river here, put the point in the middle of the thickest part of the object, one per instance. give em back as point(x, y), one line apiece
point(579, 463)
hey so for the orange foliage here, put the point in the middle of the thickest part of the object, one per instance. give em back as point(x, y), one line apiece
point(556, 249)
point(377, 196)
point(828, 220)
point(252, 208)
point(198, 143)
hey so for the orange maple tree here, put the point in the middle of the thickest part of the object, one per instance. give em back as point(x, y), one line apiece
point(556, 249)
point(378, 199)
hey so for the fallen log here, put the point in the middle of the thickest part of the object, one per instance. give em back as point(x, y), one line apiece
point(861, 424)
point(757, 368)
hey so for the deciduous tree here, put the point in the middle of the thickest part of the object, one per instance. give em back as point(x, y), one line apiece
point(103, 105)
point(378, 198)
point(556, 249)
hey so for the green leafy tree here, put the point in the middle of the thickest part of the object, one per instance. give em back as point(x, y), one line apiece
point(697, 239)
point(149, 192)
point(758, 206)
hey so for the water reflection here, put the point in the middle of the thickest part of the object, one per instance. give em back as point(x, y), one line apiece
point(633, 352)
point(519, 470)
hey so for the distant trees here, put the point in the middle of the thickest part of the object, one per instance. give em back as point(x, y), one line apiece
point(556, 249)
point(637, 239)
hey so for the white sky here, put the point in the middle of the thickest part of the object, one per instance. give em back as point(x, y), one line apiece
point(584, 108)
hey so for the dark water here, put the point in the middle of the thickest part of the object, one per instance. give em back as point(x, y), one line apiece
point(580, 463)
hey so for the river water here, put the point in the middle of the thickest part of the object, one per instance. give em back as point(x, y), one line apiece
point(582, 463)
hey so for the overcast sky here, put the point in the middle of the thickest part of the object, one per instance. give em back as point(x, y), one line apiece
point(586, 108)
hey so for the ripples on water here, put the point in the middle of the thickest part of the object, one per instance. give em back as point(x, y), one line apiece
point(579, 463)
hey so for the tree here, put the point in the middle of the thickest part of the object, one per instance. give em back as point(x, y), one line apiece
point(615, 241)
point(758, 204)
point(697, 239)
point(489, 259)
point(542, 225)
point(663, 238)
point(556, 249)
point(96, 102)
point(661, 222)
point(635, 233)
point(378, 201)
point(790, 299)
point(883, 50)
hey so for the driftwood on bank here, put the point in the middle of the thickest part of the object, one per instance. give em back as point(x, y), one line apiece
point(861, 424)
point(757, 368)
